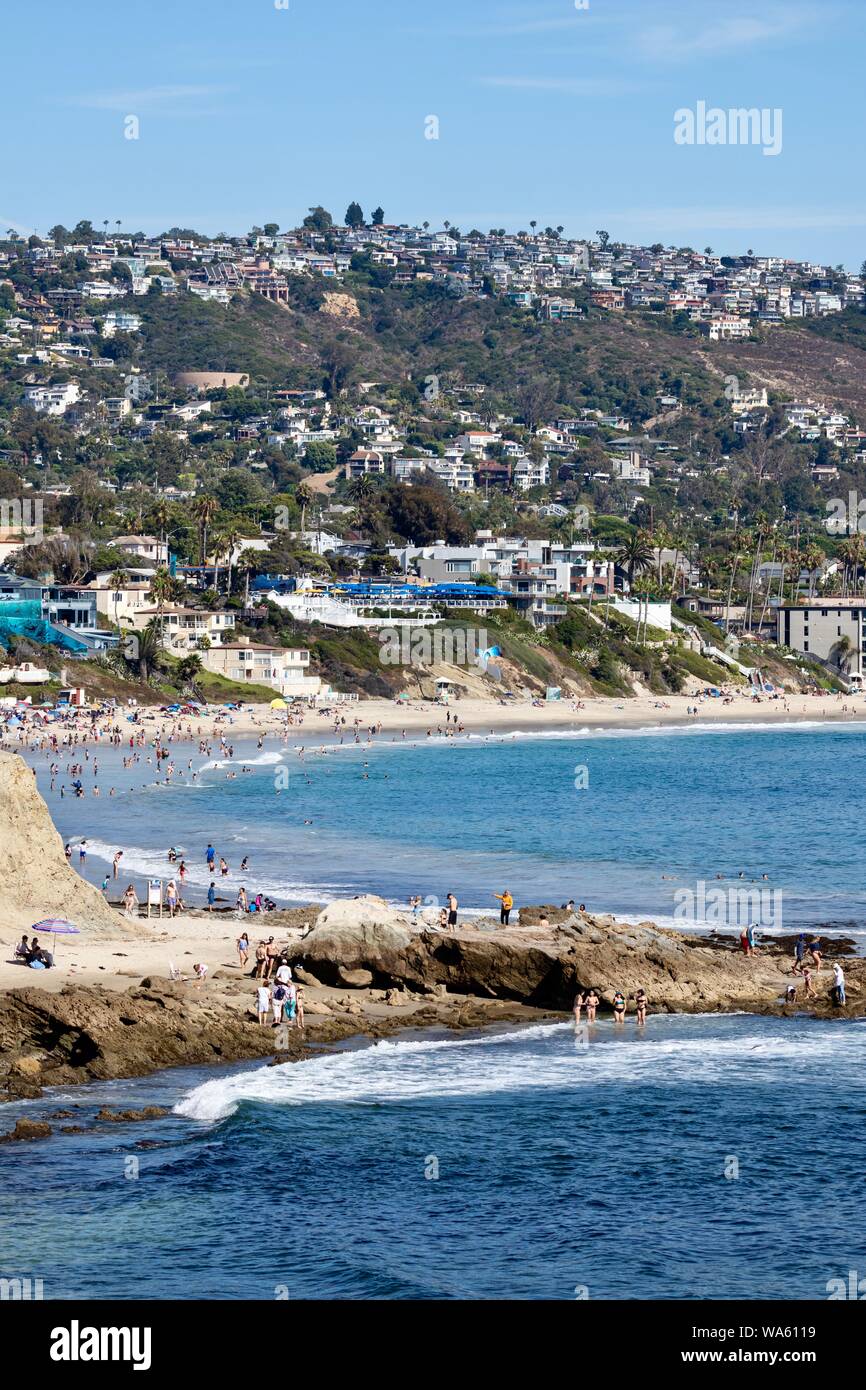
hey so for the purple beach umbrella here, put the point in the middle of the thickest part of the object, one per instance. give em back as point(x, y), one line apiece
point(57, 926)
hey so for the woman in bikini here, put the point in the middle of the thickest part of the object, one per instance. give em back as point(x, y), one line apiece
point(618, 1007)
point(641, 1001)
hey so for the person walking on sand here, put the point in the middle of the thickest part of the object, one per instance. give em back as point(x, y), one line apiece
point(171, 898)
point(263, 1004)
point(243, 946)
point(211, 896)
point(619, 1007)
point(641, 1001)
point(505, 910)
point(130, 901)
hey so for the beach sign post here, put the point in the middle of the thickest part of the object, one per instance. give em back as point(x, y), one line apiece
point(154, 895)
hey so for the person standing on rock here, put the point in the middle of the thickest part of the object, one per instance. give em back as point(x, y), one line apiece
point(451, 903)
point(505, 910)
point(838, 990)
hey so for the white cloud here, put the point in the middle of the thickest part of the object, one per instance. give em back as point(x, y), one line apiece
point(676, 42)
point(154, 100)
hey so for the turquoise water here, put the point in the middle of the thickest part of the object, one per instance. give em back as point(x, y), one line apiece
point(657, 813)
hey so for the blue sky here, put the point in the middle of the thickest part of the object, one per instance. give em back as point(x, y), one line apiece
point(249, 113)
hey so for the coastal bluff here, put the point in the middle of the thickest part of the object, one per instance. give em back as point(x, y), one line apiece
point(38, 882)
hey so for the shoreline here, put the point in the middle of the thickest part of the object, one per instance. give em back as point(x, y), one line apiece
point(469, 716)
point(368, 974)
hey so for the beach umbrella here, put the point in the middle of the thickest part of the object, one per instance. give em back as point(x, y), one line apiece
point(57, 926)
point(279, 704)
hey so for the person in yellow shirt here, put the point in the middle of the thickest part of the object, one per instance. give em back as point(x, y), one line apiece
point(507, 904)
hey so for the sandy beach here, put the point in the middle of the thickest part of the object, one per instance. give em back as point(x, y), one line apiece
point(470, 716)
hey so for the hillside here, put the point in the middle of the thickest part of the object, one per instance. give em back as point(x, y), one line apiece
point(606, 361)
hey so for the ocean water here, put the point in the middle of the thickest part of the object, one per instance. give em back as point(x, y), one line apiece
point(627, 822)
point(698, 1158)
point(701, 1157)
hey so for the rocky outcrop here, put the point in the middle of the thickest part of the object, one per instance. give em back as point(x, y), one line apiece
point(545, 967)
point(38, 882)
point(356, 934)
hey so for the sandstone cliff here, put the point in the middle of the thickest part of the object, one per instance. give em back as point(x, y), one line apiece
point(37, 881)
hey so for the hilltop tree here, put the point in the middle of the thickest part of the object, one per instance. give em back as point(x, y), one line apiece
point(378, 217)
point(354, 215)
point(318, 219)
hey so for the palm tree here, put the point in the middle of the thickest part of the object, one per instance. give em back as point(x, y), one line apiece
point(162, 588)
point(662, 539)
point(218, 548)
point(635, 554)
point(813, 557)
point(232, 536)
point(161, 516)
point(149, 648)
point(303, 497)
point(730, 592)
point(187, 669)
point(204, 509)
point(119, 577)
point(248, 562)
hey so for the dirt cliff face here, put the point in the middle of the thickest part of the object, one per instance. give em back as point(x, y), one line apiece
point(38, 882)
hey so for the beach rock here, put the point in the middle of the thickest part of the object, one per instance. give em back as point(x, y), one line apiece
point(358, 934)
point(316, 1006)
point(355, 979)
point(25, 1130)
point(304, 977)
point(149, 1112)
